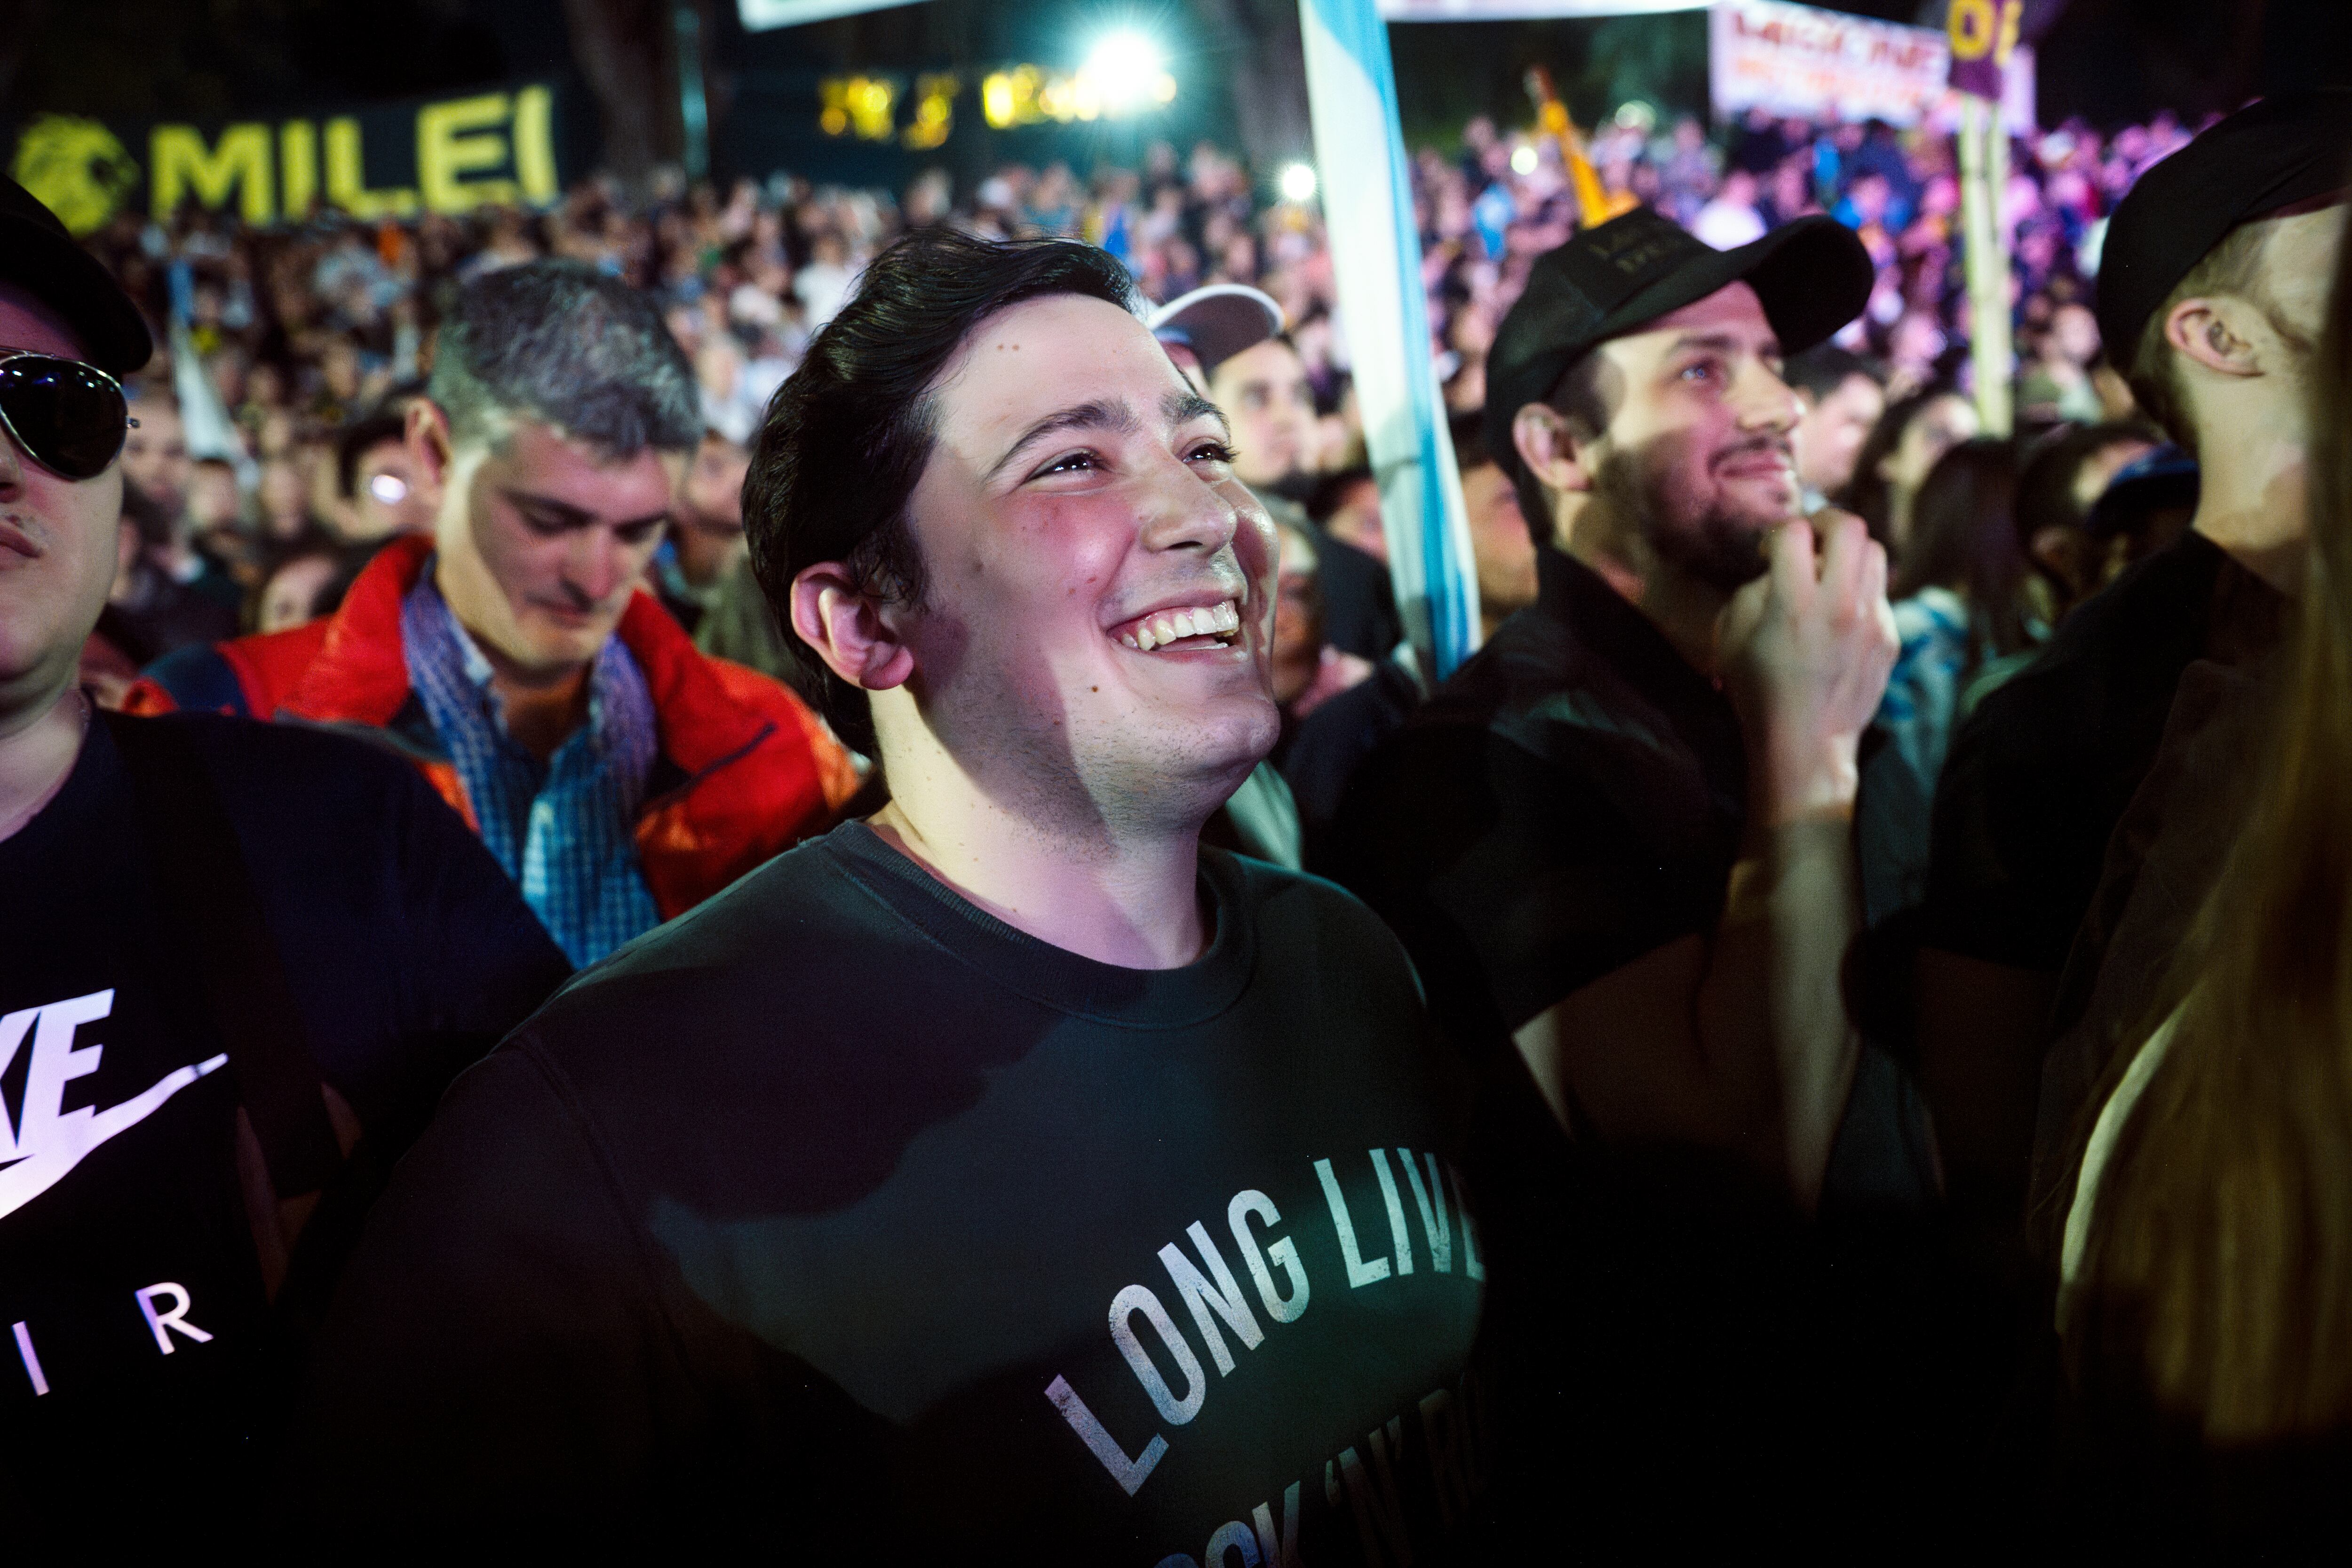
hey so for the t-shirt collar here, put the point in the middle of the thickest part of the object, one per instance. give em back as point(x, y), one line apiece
point(1601, 619)
point(1065, 981)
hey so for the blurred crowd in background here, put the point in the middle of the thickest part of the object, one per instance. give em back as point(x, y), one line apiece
point(268, 461)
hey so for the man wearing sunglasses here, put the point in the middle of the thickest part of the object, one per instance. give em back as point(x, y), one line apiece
point(239, 964)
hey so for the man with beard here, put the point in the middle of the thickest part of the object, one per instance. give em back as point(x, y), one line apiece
point(1630, 807)
point(1617, 845)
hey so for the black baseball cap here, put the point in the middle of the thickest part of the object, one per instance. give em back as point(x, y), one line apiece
point(39, 256)
point(2266, 156)
point(1813, 276)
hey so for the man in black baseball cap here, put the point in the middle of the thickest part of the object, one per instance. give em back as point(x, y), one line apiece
point(2211, 293)
point(1617, 842)
point(1535, 854)
point(236, 953)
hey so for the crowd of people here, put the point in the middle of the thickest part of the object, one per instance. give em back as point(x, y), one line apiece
point(304, 339)
point(1848, 981)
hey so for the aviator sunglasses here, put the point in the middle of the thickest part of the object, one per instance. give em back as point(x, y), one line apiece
point(68, 417)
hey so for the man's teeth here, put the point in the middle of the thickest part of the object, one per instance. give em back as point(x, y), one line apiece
point(1169, 625)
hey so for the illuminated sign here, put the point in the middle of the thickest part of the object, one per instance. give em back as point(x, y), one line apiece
point(450, 156)
point(920, 113)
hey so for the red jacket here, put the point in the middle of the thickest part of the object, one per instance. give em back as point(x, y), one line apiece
point(761, 771)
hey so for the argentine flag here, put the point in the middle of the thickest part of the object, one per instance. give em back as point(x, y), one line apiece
point(1376, 259)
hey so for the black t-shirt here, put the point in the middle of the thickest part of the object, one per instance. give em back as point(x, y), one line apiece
point(140, 1367)
point(841, 1215)
point(1570, 800)
point(2163, 859)
point(1321, 755)
point(1360, 613)
point(2041, 771)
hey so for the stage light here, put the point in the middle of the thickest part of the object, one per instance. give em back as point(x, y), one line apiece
point(1298, 183)
point(1128, 70)
point(1523, 160)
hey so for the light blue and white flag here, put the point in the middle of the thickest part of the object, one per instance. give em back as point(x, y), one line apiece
point(1376, 258)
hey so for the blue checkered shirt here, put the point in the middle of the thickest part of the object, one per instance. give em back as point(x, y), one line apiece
point(564, 830)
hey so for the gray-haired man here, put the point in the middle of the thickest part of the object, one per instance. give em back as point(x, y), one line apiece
point(618, 774)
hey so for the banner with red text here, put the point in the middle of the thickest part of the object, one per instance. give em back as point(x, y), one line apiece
point(1804, 61)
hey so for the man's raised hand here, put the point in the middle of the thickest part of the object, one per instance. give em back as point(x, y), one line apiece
point(1805, 651)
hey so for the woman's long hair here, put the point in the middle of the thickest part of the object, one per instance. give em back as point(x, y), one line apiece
point(1964, 538)
point(1867, 495)
point(2218, 1274)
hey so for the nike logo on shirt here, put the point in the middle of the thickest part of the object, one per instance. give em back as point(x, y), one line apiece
point(47, 1142)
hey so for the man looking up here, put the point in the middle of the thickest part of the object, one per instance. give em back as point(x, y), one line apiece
point(978, 1133)
point(1618, 836)
point(1617, 843)
point(2213, 281)
point(619, 776)
point(236, 955)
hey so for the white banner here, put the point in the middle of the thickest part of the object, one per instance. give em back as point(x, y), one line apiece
point(1803, 61)
point(758, 16)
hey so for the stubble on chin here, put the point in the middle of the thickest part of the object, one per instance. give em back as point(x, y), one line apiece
point(1713, 544)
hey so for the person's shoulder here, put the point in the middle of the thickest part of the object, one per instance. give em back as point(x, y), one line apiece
point(291, 763)
point(779, 931)
point(193, 679)
point(2146, 621)
point(1283, 903)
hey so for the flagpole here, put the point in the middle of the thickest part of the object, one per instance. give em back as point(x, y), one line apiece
point(1376, 260)
point(1984, 175)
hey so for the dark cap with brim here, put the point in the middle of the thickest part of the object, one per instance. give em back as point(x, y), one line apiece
point(39, 256)
point(2265, 157)
point(1812, 276)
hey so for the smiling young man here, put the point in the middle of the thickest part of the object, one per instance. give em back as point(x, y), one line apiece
point(618, 774)
point(1005, 1175)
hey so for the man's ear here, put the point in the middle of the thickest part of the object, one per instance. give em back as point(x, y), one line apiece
point(1550, 448)
point(845, 623)
point(2206, 332)
point(430, 449)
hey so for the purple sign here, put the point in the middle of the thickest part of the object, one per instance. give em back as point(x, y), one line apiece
point(1983, 32)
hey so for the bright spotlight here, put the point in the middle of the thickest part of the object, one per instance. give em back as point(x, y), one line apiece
point(1128, 68)
point(1523, 160)
point(1298, 183)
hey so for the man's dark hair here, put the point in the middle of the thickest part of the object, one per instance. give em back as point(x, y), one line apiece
point(848, 435)
point(563, 344)
point(1580, 398)
point(1823, 368)
point(1964, 537)
point(357, 441)
point(1867, 494)
point(1469, 433)
point(1331, 490)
